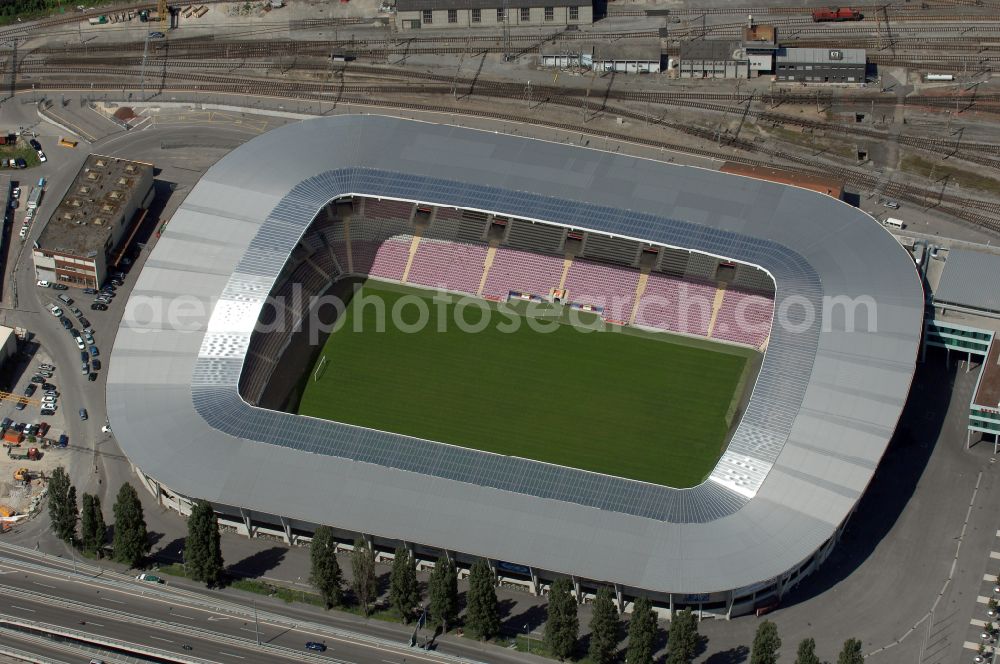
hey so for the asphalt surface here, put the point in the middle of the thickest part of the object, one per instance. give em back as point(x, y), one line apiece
point(906, 579)
point(107, 605)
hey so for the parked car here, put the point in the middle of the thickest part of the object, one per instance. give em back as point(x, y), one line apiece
point(65, 299)
point(43, 284)
point(19, 405)
point(76, 312)
point(21, 163)
point(43, 428)
point(41, 156)
point(79, 343)
point(37, 379)
point(44, 374)
point(30, 389)
point(48, 386)
point(85, 369)
point(94, 352)
point(90, 291)
point(55, 311)
point(316, 645)
point(99, 306)
point(47, 367)
point(106, 428)
point(103, 299)
point(59, 286)
point(35, 145)
point(84, 356)
point(83, 413)
point(92, 377)
point(65, 322)
point(85, 323)
point(95, 364)
point(63, 440)
point(5, 423)
point(48, 411)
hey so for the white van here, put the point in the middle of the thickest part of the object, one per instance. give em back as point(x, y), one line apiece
point(892, 222)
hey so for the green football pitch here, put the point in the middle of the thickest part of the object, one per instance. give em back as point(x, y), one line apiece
point(641, 405)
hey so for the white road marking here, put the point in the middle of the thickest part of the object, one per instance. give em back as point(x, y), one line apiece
point(983, 600)
point(23, 608)
point(970, 645)
point(247, 629)
point(43, 585)
point(159, 639)
point(178, 615)
point(978, 623)
point(995, 555)
point(229, 654)
point(114, 601)
point(95, 624)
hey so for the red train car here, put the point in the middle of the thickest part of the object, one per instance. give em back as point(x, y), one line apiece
point(836, 14)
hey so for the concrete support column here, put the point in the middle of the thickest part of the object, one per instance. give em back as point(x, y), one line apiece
point(536, 587)
point(729, 605)
point(287, 527)
point(247, 521)
point(619, 598)
point(671, 606)
point(576, 590)
point(159, 493)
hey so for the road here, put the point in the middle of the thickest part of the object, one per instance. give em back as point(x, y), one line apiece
point(108, 605)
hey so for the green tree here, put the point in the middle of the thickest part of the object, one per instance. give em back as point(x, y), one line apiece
point(807, 652)
point(641, 632)
point(682, 643)
point(443, 588)
point(605, 628)
point(363, 575)
point(766, 644)
point(481, 617)
point(325, 573)
point(130, 542)
point(203, 547)
point(851, 653)
point(62, 505)
point(562, 624)
point(404, 591)
point(92, 526)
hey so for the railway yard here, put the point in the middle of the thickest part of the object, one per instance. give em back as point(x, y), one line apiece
point(898, 136)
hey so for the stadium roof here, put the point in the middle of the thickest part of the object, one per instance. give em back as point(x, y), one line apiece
point(823, 408)
point(970, 279)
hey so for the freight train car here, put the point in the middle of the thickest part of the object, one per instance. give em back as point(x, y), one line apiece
point(836, 14)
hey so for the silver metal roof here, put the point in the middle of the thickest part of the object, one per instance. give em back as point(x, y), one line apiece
point(823, 409)
point(970, 279)
point(830, 56)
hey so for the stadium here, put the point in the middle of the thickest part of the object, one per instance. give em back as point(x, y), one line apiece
point(724, 364)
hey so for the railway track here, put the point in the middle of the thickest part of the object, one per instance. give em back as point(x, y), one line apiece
point(986, 155)
point(983, 213)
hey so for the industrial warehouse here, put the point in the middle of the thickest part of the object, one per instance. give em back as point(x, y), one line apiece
point(803, 426)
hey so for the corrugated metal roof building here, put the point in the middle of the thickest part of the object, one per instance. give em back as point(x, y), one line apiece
point(820, 65)
point(825, 403)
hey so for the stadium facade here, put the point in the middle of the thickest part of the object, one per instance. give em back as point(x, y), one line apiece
point(827, 398)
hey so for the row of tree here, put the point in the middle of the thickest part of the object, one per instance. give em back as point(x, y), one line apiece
point(203, 562)
point(561, 633)
point(130, 542)
point(767, 643)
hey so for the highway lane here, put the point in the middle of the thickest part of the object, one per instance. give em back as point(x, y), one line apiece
point(112, 604)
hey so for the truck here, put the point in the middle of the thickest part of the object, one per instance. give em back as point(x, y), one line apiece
point(98, 20)
point(13, 437)
point(836, 14)
point(35, 198)
point(24, 455)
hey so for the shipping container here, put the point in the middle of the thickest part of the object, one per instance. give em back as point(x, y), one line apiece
point(939, 77)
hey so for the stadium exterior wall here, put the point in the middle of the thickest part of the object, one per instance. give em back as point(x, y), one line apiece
point(826, 402)
point(721, 605)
